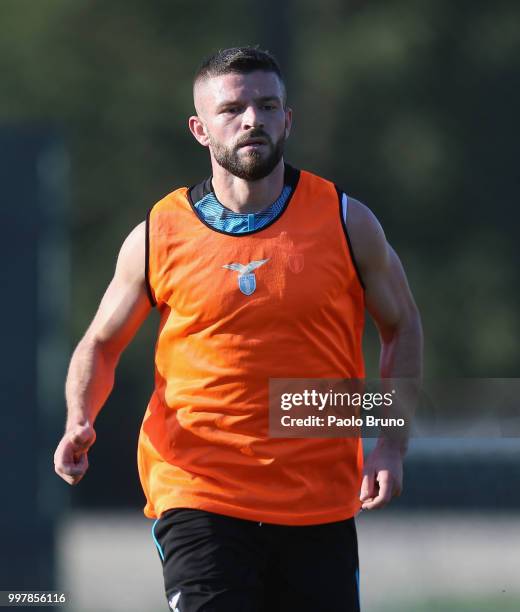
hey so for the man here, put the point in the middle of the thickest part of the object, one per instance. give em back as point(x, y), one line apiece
point(262, 271)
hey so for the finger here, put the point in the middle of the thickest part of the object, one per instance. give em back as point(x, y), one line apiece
point(82, 439)
point(67, 454)
point(72, 473)
point(74, 465)
point(383, 497)
point(71, 480)
point(71, 469)
point(63, 454)
point(367, 486)
point(77, 456)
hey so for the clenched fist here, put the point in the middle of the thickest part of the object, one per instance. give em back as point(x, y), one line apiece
point(70, 458)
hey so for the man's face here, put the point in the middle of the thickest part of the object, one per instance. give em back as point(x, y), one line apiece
point(242, 119)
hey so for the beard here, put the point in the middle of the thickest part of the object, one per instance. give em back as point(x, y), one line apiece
point(252, 165)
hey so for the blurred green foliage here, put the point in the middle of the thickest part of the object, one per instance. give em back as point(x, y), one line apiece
point(410, 106)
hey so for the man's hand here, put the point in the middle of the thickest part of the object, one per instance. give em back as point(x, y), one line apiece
point(70, 458)
point(382, 476)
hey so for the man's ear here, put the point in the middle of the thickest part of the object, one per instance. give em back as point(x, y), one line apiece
point(198, 129)
point(288, 121)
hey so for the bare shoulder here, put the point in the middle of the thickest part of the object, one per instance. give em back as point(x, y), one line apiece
point(388, 295)
point(125, 303)
point(131, 259)
point(367, 237)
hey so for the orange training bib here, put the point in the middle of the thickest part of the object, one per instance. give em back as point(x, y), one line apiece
point(284, 301)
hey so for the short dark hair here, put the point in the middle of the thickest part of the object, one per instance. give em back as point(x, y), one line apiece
point(240, 60)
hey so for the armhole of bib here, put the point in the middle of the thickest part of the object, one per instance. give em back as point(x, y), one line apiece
point(343, 213)
point(147, 261)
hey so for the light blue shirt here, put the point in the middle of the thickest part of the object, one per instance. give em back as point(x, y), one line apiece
point(225, 220)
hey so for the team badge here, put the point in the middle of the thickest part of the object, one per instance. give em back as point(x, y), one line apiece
point(247, 283)
point(296, 262)
point(246, 277)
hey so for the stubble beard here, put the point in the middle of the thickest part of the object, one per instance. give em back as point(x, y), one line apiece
point(252, 165)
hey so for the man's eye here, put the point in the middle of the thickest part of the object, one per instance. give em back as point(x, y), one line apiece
point(269, 107)
point(231, 109)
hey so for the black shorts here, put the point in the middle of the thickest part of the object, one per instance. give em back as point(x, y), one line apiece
point(217, 563)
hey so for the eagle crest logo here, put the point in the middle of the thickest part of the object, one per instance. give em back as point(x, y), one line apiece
point(246, 276)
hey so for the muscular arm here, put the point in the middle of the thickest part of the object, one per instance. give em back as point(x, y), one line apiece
point(388, 297)
point(390, 303)
point(90, 378)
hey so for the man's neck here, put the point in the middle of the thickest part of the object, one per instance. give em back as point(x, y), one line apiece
point(247, 196)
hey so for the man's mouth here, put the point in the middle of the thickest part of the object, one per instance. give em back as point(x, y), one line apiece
point(253, 142)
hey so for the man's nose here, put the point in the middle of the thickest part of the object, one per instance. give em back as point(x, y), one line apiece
point(252, 118)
